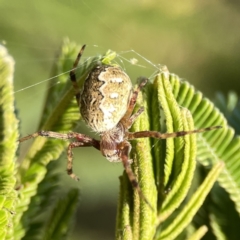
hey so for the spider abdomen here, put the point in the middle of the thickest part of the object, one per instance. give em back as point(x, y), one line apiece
point(105, 97)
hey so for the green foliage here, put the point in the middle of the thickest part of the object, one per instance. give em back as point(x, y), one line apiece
point(173, 161)
point(187, 200)
point(8, 146)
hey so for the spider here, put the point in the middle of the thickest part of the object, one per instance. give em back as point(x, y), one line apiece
point(106, 103)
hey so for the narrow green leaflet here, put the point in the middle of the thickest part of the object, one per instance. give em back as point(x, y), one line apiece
point(143, 216)
point(186, 215)
point(179, 162)
point(8, 145)
point(59, 224)
point(135, 212)
point(41, 205)
point(124, 217)
point(230, 107)
point(218, 232)
point(199, 233)
point(212, 148)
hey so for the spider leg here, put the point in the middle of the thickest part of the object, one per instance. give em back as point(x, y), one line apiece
point(133, 99)
point(124, 153)
point(81, 140)
point(64, 136)
point(135, 116)
point(70, 157)
point(154, 134)
point(73, 74)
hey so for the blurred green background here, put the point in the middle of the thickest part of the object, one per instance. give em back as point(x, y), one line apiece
point(198, 40)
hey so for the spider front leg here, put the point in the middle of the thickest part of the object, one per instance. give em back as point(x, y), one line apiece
point(64, 136)
point(70, 157)
point(129, 118)
point(81, 140)
point(124, 153)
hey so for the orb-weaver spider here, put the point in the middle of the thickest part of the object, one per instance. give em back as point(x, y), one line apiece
point(106, 104)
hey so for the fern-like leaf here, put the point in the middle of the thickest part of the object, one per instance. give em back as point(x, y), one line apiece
point(212, 148)
point(164, 168)
point(60, 114)
point(60, 222)
point(230, 107)
point(8, 145)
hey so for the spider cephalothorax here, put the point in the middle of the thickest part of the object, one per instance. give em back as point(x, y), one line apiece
point(106, 103)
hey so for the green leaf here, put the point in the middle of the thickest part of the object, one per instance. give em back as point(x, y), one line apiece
point(173, 159)
point(230, 107)
point(217, 228)
point(186, 215)
point(213, 147)
point(60, 222)
point(199, 233)
point(134, 211)
point(8, 145)
point(41, 204)
point(179, 162)
point(123, 229)
point(224, 219)
point(164, 168)
point(60, 114)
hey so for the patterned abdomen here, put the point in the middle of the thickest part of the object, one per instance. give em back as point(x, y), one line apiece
point(105, 97)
